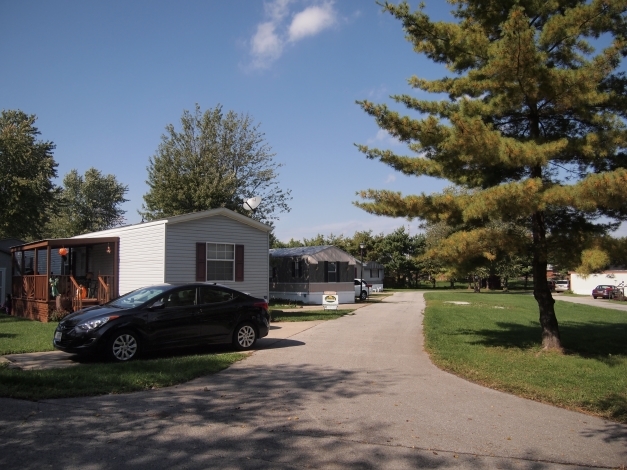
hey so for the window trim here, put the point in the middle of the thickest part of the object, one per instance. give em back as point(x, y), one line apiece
point(207, 260)
point(202, 260)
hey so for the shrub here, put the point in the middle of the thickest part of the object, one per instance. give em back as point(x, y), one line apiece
point(57, 315)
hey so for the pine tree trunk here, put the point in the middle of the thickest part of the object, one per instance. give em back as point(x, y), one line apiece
point(541, 292)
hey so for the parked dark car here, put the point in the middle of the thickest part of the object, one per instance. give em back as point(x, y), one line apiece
point(604, 290)
point(165, 316)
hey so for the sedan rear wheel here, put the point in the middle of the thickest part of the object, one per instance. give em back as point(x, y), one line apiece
point(123, 346)
point(244, 336)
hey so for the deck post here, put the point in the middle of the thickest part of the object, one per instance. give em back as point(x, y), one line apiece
point(48, 265)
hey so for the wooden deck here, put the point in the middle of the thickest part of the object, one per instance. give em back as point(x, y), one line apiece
point(32, 295)
point(63, 274)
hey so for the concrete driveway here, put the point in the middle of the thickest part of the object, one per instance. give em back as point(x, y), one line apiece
point(358, 392)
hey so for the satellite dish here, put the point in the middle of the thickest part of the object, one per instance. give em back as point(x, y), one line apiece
point(252, 203)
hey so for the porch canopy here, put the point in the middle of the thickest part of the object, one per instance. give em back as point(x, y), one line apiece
point(79, 270)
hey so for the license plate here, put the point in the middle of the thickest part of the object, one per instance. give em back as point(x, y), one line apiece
point(57, 336)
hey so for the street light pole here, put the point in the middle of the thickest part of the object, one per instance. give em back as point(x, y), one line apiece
point(361, 249)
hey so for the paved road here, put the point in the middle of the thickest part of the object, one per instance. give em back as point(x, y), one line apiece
point(358, 392)
point(588, 300)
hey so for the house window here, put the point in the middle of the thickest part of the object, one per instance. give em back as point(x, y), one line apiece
point(332, 272)
point(297, 269)
point(220, 262)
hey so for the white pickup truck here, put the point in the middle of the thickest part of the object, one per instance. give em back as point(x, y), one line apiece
point(362, 289)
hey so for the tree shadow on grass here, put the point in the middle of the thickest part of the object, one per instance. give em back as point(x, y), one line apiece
point(600, 341)
point(591, 339)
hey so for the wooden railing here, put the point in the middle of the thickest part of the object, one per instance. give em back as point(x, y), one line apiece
point(31, 287)
point(77, 298)
point(104, 289)
point(38, 288)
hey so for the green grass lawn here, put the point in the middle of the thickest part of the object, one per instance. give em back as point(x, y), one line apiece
point(307, 315)
point(94, 377)
point(19, 335)
point(496, 341)
point(102, 378)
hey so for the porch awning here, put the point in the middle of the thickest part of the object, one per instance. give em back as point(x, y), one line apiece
point(63, 243)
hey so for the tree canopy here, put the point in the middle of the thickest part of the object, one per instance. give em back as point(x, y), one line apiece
point(87, 204)
point(531, 132)
point(214, 160)
point(28, 167)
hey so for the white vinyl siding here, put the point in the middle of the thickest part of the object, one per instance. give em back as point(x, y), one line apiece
point(165, 250)
point(180, 258)
point(142, 253)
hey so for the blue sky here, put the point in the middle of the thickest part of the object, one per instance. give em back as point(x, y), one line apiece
point(105, 78)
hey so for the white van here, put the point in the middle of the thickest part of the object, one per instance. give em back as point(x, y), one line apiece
point(561, 286)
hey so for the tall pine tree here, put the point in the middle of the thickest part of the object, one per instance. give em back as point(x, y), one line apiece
point(532, 132)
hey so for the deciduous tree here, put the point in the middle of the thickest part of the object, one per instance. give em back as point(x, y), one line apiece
point(27, 168)
point(532, 130)
point(214, 160)
point(87, 204)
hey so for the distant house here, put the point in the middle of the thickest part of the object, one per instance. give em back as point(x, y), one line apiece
point(5, 266)
point(374, 273)
point(583, 285)
point(305, 273)
point(217, 245)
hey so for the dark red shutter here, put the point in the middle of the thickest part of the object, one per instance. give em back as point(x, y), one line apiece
point(201, 262)
point(239, 263)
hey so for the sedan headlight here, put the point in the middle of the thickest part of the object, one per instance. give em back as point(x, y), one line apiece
point(94, 324)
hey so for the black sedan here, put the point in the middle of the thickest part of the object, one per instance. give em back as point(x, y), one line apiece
point(165, 316)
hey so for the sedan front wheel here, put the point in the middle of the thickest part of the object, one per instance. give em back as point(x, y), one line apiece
point(123, 346)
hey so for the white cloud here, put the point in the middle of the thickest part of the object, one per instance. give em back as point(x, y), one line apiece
point(277, 10)
point(378, 93)
point(282, 26)
point(265, 43)
point(384, 137)
point(311, 21)
point(391, 178)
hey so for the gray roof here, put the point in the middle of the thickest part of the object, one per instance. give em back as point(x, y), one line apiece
point(314, 254)
point(7, 243)
point(220, 211)
point(371, 264)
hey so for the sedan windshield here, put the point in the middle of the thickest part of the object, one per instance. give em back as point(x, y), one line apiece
point(139, 296)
